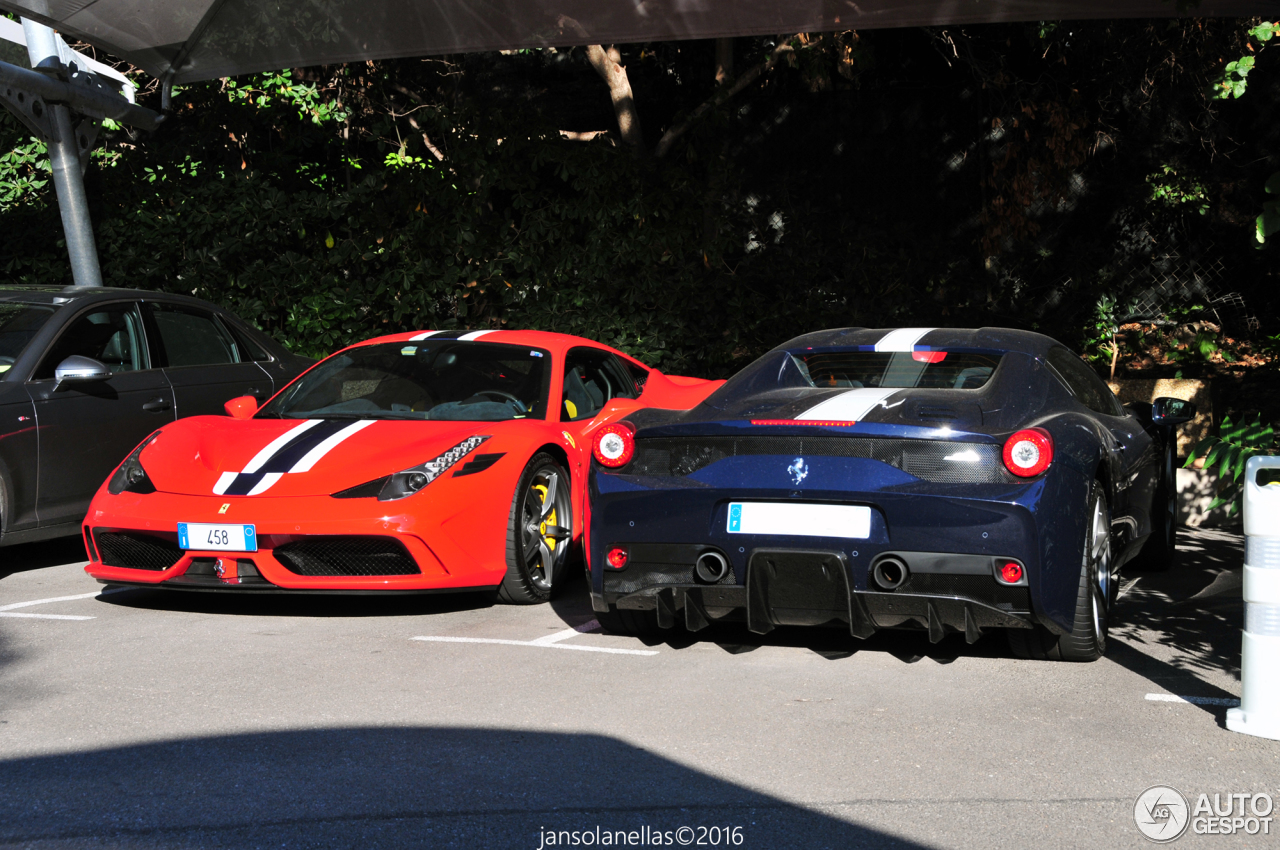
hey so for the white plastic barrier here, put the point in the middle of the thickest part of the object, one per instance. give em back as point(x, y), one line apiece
point(1259, 711)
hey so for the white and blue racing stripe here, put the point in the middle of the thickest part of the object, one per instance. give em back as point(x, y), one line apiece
point(463, 336)
point(853, 405)
point(296, 450)
point(849, 406)
point(903, 339)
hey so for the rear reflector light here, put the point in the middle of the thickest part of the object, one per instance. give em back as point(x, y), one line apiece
point(1028, 452)
point(617, 557)
point(822, 423)
point(614, 445)
point(1011, 573)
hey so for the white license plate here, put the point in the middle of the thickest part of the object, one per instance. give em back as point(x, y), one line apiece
point(217, 536)
point(800, 520)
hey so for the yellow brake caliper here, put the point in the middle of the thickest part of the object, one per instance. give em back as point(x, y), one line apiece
point(550, 518)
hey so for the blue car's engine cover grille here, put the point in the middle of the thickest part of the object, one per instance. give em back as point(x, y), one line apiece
point(941, 461)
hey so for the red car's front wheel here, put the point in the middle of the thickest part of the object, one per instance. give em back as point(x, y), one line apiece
point(539, 533)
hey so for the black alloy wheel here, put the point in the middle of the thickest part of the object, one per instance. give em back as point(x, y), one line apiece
point(539, 533)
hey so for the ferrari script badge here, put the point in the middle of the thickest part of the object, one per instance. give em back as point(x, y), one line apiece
point(223, 509)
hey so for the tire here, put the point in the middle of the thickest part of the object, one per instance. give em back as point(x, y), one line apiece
point(1095, 592)
point(1160, 550)
point(622, 621)
point(539, 533)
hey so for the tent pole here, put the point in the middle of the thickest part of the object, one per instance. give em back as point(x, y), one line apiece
point(64, 155)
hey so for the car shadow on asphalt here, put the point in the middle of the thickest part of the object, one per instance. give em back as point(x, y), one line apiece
point(1179, 627)
point(38, 556)
point(317, 605)
point(1194, 611)
point(402, 786)
point(573, 606)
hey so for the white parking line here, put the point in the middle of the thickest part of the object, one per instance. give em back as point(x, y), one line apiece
point(44, 616)
point(1227, 701)
point(5, 609)
point(553, 641)
point(591, 626)
point(1128, 587)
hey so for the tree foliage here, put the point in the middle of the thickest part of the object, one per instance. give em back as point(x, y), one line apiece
point(1007, 174)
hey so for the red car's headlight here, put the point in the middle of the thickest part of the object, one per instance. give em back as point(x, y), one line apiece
point(410, 481)
point(130, 475)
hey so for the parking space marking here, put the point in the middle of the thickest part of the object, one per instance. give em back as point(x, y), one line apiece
point(7, 610)
point(43, 616)
point(612, 651)
point(1128, 586)
point(1226, 701)
point(553, 641)
point(591, 626)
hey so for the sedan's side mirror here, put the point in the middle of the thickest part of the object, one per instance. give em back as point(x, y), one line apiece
point(77, 369)
point(1172, 411)
point(241, 407)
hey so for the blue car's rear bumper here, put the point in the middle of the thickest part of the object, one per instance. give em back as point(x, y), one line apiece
point(952, 537)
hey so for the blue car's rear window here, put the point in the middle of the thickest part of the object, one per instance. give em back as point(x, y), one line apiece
point(935, 370)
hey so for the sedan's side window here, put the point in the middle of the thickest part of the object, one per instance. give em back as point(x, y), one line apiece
point(112, 335)
point(246, 348)
point(1087, 387)
point(192, 337)
point(591, 378)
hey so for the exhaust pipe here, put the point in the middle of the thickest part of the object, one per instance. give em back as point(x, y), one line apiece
point(889, 573)
point(711, 567)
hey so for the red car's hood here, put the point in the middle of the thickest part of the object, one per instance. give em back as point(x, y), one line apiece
point(214, 455)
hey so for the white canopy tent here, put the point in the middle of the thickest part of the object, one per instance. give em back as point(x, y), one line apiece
point(180, 41)
point(191, 40)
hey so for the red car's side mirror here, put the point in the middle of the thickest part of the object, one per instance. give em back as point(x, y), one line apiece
point(242, 407)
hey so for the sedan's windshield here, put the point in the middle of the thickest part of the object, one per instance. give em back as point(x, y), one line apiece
point(18, 324)
point(445, 379)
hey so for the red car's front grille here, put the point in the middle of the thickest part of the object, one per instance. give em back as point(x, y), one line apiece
point(336, 555)
point(135, 550)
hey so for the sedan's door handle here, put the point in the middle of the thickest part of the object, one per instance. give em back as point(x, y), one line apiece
point(158, 404)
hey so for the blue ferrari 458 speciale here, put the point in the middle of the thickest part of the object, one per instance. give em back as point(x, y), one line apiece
point(944, 479)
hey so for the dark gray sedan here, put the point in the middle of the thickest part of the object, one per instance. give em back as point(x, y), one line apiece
point(87, 373)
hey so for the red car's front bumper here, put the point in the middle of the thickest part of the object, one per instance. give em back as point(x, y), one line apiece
point(312, 543)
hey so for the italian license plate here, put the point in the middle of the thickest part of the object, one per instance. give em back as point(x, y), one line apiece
point(217, 536)
point(800, 519)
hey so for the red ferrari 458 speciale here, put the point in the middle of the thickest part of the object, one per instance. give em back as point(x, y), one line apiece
point(441, 460)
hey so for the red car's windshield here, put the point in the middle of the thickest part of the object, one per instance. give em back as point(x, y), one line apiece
point(445, 379)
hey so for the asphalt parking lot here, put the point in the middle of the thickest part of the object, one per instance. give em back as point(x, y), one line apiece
point(149, 719)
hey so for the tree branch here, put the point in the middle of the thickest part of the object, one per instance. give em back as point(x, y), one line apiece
point(435, 151)
point(608, 64)
point(748, 77)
